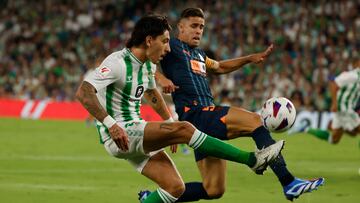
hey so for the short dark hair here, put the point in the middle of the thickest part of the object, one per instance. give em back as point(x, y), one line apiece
point(150, 25)
point(192, 12)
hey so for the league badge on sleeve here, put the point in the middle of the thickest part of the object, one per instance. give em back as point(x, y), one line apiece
point(103, 71)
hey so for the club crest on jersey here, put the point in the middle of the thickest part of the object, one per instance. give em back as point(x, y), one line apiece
point(201, 58)
point(139, 91)
point(104, 71)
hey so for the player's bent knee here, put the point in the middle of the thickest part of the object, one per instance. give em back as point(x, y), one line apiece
point(184, 128)
point(254, 121)
point(175, 188)
point(257, 120)
point(215, 192)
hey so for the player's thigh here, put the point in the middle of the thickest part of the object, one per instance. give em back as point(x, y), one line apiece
point(213, 173)
point(158, 135)
point(241, 122)
point(162, 170)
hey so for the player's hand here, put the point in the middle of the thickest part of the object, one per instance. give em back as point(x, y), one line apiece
point(260, 57)
point(173, 148)
point(120, 137)
point(167, 85)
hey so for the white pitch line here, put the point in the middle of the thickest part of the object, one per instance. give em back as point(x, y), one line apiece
point(62, 171)
point(58, 158)
point(45, 186)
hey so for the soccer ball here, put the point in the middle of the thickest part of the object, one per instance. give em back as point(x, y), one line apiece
point(278, 114)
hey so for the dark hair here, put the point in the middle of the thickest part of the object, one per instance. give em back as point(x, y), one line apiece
point(192, 12)
point(150, 25)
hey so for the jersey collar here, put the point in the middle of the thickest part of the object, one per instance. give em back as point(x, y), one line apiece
point(133, 56)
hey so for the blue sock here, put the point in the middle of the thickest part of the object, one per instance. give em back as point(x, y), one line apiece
point(194, 191)
point(262, 138)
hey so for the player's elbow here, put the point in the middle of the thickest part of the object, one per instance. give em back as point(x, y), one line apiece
point(79, 94)
point(218, 71)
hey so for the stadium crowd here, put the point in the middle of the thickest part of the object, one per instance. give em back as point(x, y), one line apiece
point(47, 48)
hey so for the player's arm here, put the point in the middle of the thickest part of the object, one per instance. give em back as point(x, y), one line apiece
point(157, 102)
point(333, 87)
point(166, 84)
point(86, 94)
point(227, 66)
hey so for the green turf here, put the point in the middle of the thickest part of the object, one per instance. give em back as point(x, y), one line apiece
point(57, 161)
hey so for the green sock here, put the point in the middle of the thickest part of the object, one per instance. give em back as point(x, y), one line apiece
point(154, 197)
point(321, 134)
point(217, 148)
point(159, 196)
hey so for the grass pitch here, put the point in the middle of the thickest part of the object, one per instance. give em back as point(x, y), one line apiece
point(63, 161)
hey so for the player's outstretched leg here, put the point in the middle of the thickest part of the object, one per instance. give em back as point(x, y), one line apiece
point(251, 123)
point(257, 161)
point(159, 135)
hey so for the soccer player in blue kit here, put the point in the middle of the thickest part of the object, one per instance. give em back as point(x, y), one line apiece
point(187, 67)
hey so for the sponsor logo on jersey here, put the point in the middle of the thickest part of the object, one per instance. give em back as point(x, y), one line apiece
point(104, 71)
point(201, 58)
point(198, 67)
point(139, 91)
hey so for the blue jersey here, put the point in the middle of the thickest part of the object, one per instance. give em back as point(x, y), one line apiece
point(185, 67)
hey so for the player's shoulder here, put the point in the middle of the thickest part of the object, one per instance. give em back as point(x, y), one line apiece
point(116, 58)
point(113, 63)
point(175, 41)
point(349, 73)
point(348, 77)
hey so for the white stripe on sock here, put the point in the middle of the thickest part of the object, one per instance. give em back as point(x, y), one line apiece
point(197, 139)
point(200, 141)
point(330, 140)
point(194, 138)
point(162, 196)
point(166, 197)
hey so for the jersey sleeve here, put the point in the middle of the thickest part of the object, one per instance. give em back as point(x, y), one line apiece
point(346, 78)
point(152, 83)
point(107, 73)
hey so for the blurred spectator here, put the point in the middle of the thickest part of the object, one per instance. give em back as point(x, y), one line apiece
point(46, 47)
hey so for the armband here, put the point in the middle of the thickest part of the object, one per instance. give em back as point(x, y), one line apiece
point(210, 63)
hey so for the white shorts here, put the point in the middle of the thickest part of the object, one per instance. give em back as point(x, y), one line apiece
point(135, 155)
point(345, 120)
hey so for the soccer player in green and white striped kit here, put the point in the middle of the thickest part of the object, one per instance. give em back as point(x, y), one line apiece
point(345, 93)
point(112, 94)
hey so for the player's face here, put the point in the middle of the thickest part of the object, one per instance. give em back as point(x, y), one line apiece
point(158, 47)
point(191, 30)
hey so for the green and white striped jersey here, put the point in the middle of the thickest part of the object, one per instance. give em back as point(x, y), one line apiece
point(349, 92)
point(120, 81)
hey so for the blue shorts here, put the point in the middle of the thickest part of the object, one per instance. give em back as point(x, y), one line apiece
point(209, 120)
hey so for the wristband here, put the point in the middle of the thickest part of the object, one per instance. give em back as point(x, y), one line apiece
point(169, 120)
point(108, 121)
